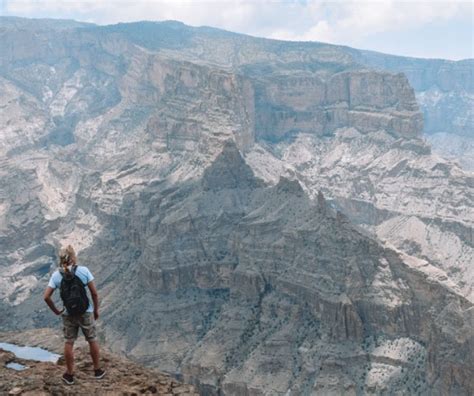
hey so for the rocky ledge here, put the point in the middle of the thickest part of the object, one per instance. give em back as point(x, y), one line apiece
point(123, 378)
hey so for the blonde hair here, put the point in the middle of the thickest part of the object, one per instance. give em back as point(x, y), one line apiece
point(67, 256)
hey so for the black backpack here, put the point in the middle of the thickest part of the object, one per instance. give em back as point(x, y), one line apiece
point(73, 293)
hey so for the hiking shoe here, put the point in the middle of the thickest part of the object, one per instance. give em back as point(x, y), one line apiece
point(68, 378)
point(99, 373)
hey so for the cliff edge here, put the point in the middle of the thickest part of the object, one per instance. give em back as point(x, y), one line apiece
point(44, 378)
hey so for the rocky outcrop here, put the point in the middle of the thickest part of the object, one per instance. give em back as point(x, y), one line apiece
point(123, 377)
point(229, 170)
point(445, 91)
point(444, 88)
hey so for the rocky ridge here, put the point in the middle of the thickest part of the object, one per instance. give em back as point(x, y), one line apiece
point(267, 292)
point(444, 89)
point(246, 288)
point(394, 188)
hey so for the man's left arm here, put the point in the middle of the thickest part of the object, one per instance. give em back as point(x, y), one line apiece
point(95, 298)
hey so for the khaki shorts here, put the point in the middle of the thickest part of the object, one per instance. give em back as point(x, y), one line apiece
point(72, 324)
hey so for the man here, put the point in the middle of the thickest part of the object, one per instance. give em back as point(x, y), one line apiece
point(72, 279)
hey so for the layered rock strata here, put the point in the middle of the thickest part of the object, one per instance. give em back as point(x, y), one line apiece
point(369, 101)
point(445, 92)
point(250, 289)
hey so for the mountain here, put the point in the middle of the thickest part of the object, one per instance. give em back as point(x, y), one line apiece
point(260, 215)
point(253, 289)
point(444, 89)
point(246, 288)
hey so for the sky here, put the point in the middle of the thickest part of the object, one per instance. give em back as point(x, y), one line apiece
point(427, 29)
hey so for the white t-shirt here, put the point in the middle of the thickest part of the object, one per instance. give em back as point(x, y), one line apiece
point(82, 273)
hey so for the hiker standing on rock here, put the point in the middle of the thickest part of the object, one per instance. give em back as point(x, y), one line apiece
point(71, 279)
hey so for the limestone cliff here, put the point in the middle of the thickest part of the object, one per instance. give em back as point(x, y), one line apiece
point(366, 100)
point(445, 92)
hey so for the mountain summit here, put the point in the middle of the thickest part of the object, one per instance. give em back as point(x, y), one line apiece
point(229, 170)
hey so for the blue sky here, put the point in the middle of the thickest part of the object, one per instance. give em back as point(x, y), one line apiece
point(429, 29)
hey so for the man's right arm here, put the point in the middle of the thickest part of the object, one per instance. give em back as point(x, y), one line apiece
point(47, 298)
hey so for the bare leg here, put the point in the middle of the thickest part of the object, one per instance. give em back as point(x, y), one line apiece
point(94, 349)
point(69, 357)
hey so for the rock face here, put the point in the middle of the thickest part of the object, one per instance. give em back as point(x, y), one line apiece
point(364, 100)
point(251, 289)
point(271, 210)
point(445, 92)
point(444, 89)
point(394, 188)
point(245, 288)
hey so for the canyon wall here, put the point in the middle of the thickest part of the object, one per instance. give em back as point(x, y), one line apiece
point(261, 216)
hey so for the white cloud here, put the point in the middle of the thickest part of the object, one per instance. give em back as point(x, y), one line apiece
point(346, 22)
point(350, 22)
point(222, 12)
